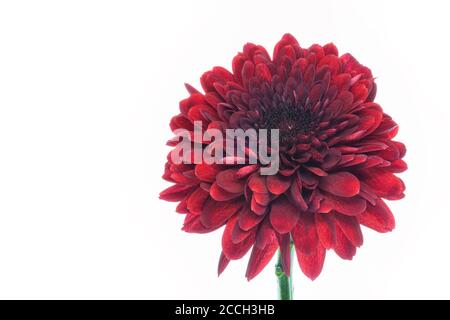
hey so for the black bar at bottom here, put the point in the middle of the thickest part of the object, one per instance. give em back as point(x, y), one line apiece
point(216, 309)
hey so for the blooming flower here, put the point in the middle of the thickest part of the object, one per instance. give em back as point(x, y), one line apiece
point(337, 157)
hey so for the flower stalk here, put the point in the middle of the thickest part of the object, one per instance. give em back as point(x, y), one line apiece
point(285, 287)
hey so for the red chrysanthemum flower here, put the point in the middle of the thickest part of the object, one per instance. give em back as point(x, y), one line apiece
point(338, 159)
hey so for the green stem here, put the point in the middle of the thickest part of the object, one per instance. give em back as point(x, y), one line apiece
point(285, 288)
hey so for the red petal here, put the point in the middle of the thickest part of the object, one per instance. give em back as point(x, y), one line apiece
point(296, 196)
point(180, 121)
point(229, 181)
point(283, 215)
point(223, 263)
point(325, 230)
point(309, 180)
point(317, 171)
point(384, 183)
point(349, 206)
point(397, 166)
point(176, 192)
point(257, 183)
point(357, 159)
point(262, 198)
point(259, 258)
point(247, 219)
point(186, 177)
point(190, 88)
point(182, 207)
point(263, 72)
point(350, 227)
point(247, 72)
point(264, 234)
point(197, 200)
point(286, 40)
point(256, 207)
point(213, 99)
point(215, 213)
point(216, 75)
point(330, 48)
point(304, 234)
point(360, 92)
point(217, 193)
point(342, 184)
point(396, 150)
point(192, 224)
point(245, 171)
point(325, 206)
point(378, 217)
point(207, 172)
point(370, 118)
point(400, 147)
point(237, 65)
point(205, 186)
point(202, 112)
point(239, 235)
point(343, 247)
point(388, 129)
point(278, 184)
point(312, 264)
point(234, 251)
point(331, 159)
point(186, 104)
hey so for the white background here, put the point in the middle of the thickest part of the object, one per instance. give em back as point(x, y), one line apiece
point(87, 89)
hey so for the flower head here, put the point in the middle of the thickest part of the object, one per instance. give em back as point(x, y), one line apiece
point(337, 159)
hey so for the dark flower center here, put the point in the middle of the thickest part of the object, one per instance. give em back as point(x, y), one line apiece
point(290, 120)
